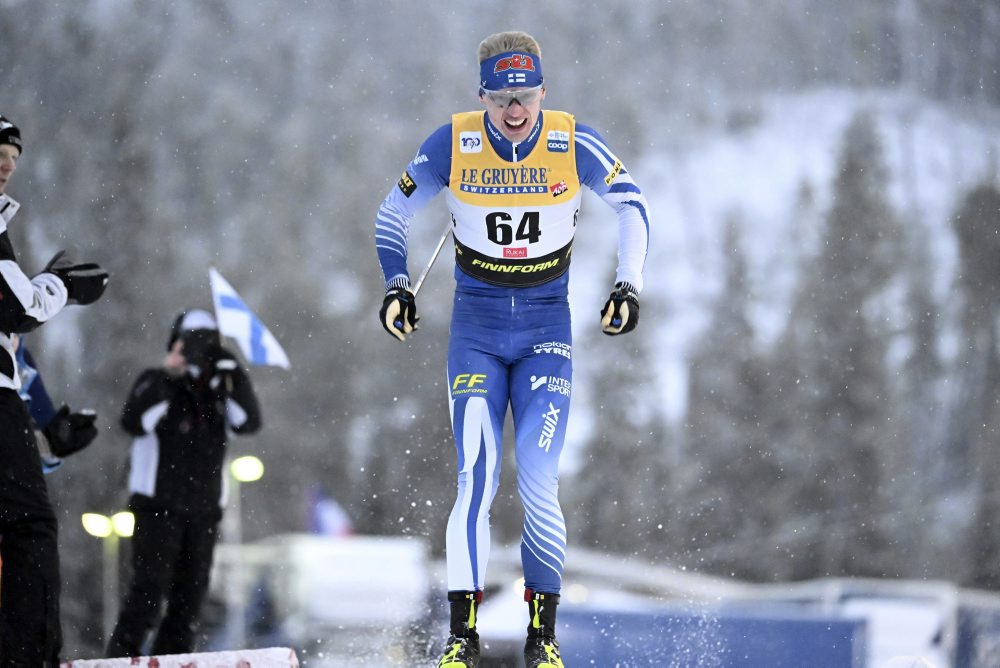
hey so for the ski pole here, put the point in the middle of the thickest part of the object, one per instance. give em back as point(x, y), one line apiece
point(398, 322)
point(437, 251)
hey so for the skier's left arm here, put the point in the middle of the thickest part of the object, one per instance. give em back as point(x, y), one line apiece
point(602, 172)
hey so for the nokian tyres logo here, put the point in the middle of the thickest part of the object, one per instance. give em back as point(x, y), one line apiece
point(553, 348)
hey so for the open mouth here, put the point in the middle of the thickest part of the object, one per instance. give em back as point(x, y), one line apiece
point(515, 124)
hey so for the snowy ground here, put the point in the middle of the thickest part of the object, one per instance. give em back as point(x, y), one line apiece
point(613, 610)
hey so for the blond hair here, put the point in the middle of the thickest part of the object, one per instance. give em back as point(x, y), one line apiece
point(513, 40)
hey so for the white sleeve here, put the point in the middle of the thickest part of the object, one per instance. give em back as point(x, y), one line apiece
point(40, 297)
point(633, 238)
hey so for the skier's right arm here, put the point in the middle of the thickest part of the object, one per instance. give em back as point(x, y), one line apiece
point(148, 401)
point(422, 179)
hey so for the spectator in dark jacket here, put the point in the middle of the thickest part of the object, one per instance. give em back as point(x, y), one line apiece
point(30, 633)
point(180, 415)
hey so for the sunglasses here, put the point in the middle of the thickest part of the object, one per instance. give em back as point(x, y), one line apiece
point(505, 98)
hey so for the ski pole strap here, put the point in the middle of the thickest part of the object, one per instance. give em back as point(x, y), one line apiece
point(463, 609)
point(532, 595)
point(476, 596)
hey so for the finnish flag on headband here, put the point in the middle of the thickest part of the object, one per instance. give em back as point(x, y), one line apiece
point(237, 321)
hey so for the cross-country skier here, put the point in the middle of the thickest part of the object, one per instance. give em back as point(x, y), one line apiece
point(513, 178)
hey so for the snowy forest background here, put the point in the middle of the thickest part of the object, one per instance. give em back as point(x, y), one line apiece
point(813, 387)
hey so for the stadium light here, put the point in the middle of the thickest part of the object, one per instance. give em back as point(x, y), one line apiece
point(247, 468)
point(109, 530)
point(97, 525)
point(123, 523)
point(101, 526)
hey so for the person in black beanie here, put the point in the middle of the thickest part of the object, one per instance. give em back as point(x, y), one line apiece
point(30, 632)
point(179, 414)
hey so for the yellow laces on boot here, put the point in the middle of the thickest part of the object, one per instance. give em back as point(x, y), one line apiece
point(553, 660)
point(451, 658)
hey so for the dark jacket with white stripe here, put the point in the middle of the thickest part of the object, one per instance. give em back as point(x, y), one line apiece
point(25, 303)
point(181, 425)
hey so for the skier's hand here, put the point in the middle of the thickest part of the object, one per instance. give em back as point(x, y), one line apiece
point(621, 312)
point(84, 281)
point(399, 312)
point(70, 432)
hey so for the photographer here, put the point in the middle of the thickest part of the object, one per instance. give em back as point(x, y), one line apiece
point(180, 414)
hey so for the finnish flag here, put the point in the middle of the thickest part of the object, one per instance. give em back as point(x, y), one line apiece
point(236, 320)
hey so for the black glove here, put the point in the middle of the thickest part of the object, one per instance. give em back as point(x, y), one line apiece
point(85, 282)
point(70, 432)
point(399, 312)
point(222, 379)
point(621, 312)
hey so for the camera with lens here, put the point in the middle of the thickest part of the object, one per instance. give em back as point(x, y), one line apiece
point(201, 347)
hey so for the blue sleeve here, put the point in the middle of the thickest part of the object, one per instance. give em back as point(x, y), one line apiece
point(422, 179)
point(595, 162)
point(40, 404)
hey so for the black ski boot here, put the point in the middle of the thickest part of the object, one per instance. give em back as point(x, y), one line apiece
point(462, 650)
point(541, 649)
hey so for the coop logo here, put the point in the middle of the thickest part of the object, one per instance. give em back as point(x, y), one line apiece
point(558, 189)
point(470, 142)
point(558, 141)
point(550, 420)
point(422, 158)
point(468, 383)
point(551, 383)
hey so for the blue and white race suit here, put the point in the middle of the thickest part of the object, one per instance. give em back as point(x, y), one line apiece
point(514, 209)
